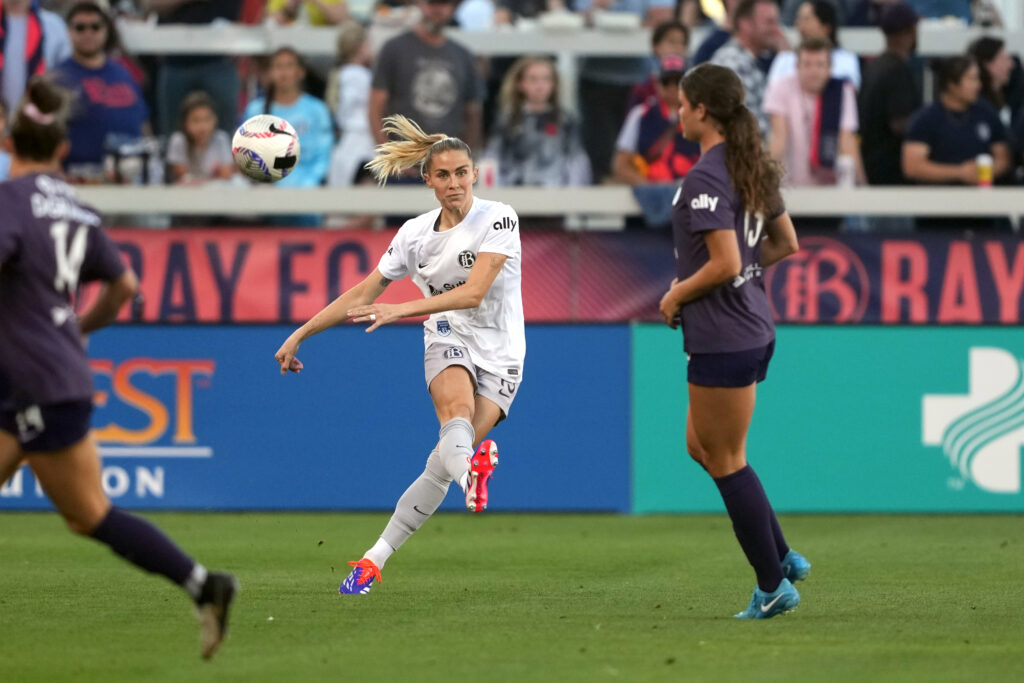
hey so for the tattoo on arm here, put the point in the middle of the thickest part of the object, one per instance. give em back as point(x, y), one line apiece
point(384, 282)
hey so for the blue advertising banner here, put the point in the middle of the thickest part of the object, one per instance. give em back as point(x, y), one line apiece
point(199, 418)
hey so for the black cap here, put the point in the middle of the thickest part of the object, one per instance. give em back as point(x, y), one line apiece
point(898, 18)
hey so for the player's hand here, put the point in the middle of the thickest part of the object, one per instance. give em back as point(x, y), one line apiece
point(669, 306)
point(286, 357)
point(376, 314)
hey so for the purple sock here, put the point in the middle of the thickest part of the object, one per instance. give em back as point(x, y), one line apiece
point(781, 547)
point(751, 516)
point(145, 546)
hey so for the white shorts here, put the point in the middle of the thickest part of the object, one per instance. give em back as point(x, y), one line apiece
point(499, 390)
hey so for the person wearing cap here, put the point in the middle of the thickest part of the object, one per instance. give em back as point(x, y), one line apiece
point(425, 76)
point(889, 94)
point(650, 147)
point(667, 38)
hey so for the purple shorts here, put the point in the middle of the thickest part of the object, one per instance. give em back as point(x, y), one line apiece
point(51, 427)
point(736, 369)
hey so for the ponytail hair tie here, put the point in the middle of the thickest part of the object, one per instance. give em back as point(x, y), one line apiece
point(32, 111)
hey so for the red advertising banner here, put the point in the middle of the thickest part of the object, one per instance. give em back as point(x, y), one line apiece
point(260, 275)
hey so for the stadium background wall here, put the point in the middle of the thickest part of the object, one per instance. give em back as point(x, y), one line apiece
point(197, 417)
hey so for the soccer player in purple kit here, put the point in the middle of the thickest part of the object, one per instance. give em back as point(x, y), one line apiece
point(49, 243)
point(729, 224)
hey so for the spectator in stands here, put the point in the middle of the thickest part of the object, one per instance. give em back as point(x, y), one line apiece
point(534, 141)
point(818, 19)
point(996, 67)
point(605, 83)
point(889, 94)
point(511, 11)
point(181, 74)
point(667, 38)
point(757, 31)
point(309, 116)
point(850, 12)
point(349, 98)
point(718, 37)
point(198, 151)
point(946, 138)
point(940, 9)
point(32, 40)
point(107, 103)
point(429, 78)
point(312, 12)
point(814, 120)
point(650, 146)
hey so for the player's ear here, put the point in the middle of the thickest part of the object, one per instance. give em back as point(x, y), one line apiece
point(62, 151)
point(476, 172)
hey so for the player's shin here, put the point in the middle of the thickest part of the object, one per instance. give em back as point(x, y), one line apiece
point(415, 506)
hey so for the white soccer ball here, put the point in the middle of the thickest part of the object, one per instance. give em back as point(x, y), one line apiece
point(266, 148)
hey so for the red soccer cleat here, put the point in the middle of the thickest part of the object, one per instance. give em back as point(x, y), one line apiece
point(481, 466)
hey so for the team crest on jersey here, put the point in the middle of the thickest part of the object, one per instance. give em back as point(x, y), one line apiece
point(453, 352)
point(443, 328)
point(467, 259)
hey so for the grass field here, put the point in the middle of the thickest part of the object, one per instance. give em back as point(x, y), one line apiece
point(524, 598)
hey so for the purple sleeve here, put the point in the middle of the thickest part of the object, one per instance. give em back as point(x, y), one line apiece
point(102, 258)
point(709, 204)
point(9, 239)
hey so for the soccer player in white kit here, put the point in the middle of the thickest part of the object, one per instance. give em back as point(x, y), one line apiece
point(465, 257)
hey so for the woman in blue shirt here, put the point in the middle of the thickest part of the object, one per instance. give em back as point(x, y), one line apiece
point(308, 115)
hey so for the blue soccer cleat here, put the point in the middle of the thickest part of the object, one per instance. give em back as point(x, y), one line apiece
point(360, 581)
point(795, 566)
point(766, 605)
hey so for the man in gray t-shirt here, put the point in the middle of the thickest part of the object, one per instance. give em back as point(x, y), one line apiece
point(432, 80)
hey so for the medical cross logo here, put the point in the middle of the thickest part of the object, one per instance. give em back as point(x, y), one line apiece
point(982, 432)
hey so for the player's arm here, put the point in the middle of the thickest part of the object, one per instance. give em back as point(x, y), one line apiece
point(723, 264)
point(378, 101)
point(112, 297)
point(469, 295)
point(336, 312)
point(779, 241)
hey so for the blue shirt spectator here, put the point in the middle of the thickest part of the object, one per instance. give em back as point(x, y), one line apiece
point(107, 100)
point(308, 115)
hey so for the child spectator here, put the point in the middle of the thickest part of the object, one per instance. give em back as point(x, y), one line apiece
point(199, 151)
point(650, 148)
point(534, 141)
point(348, 95)
point(667, 38)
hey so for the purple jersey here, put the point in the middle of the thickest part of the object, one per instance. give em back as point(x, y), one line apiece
point(735, 316)
point(49, 243)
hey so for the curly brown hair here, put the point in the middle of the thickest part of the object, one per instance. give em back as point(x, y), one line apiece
point(755, 175)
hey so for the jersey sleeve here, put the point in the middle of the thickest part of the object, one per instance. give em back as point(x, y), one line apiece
point(394, 264)
point(709, 205)
point(502, 233)
point(102, 258)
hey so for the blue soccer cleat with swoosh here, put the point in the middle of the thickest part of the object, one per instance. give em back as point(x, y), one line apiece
point(795, 566)
point(766, 605)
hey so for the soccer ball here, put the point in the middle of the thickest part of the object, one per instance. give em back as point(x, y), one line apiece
point(265, 148)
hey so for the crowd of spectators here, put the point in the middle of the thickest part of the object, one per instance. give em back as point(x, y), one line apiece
point(829, 116)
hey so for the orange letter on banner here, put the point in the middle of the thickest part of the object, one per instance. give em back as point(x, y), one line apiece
point(184, 370)
point(149, 405)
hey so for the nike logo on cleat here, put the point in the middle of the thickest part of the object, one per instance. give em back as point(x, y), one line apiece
point(768, 605)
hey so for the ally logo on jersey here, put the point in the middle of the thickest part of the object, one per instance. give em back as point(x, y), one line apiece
point(981, 432)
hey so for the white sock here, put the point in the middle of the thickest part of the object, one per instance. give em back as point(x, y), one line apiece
point(464, 481)
point(379, 553)
point(194, 582)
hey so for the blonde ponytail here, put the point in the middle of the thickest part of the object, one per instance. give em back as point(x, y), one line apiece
point(413, 147)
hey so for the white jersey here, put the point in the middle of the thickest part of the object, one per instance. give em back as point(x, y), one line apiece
point(438, 262)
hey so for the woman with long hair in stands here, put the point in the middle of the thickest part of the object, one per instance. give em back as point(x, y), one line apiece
point(729, 223)
point(49, 243)
point(465, 257)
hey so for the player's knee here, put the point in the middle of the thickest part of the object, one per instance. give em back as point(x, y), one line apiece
point(722, 465)
point(458, 408)
point(694, 449)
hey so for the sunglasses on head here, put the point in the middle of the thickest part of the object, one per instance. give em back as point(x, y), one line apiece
point(83, 27)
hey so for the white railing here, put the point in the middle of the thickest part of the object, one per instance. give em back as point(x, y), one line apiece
point(613, 200)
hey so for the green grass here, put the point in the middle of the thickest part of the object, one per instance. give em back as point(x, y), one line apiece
point(524, 598)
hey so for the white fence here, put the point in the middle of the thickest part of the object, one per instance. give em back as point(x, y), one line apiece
point(613, 200)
